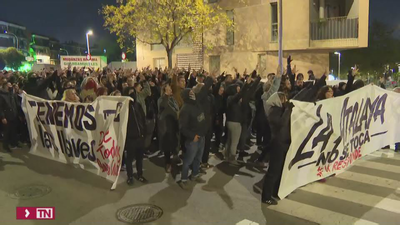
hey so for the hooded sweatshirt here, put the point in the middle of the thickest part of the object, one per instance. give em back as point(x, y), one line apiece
point(274, 100)
point(272, 90)
point(192, 120)
point(275, 112)
point(205, 99)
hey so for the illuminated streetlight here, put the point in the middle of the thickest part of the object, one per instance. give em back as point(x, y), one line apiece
point(90, 32)
point(339, 55)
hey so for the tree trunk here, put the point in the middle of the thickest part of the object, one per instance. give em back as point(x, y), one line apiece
point(169, 55)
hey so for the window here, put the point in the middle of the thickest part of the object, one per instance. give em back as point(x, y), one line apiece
point(159, 63)
point(274, 22)
point(230, 34)
point(215, 64)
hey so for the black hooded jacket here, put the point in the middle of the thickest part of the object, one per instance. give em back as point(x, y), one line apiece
point(237, 111)
point(37, 87)
point(247, 97)
point(192, 119)
point(234, 111)
point(206, 100)
point(137, 119)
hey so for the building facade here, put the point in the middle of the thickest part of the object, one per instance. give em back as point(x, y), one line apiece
point(45, 49)
point(14, 35)
point(312, 29)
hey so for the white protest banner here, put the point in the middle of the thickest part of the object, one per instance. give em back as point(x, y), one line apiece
point(90, 135)
point(327, 137)
point(96, 62)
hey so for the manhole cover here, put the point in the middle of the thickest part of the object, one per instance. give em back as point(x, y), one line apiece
point(32, 191)
point(142, 213)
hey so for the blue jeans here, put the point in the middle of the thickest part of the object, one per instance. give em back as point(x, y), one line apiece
point(193, 155)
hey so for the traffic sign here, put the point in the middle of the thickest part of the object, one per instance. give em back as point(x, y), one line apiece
point(89, 57)
point(123, 56)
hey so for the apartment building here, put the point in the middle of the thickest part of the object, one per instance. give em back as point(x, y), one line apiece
point(45, 49)
point(311, 30)
point(14, 35)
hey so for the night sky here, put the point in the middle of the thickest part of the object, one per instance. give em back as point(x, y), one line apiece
point(70, 19)
point(62, 19)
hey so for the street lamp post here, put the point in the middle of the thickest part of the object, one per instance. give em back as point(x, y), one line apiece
point(87, 40)
point(339, 55)
point(61, 49)
point(16, 38)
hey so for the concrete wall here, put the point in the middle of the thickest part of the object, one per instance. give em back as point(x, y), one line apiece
point(318, 61)
point(145, 56)
point(363, 27)
point(296, 24)
point(354, 10)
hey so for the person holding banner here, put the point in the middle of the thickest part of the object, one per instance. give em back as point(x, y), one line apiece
point(325, 92)
point(275, 109)
point(135, 137)
point(278, 114)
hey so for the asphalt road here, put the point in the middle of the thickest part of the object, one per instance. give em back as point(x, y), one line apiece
point(368, 193)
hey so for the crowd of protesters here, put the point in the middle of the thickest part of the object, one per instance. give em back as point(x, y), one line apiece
point(183, 111)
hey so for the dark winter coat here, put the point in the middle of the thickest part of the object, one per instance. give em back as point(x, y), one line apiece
point(234, 111)
point(137, 120)
point(152, 103)
point(206, 100)
point(192, 119)
point(37, 86)
point(9, 106)
point(168, 110)
point(247, 97)
point(219, 106)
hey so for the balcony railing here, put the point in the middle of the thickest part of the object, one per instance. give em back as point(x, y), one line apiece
point(334, 28)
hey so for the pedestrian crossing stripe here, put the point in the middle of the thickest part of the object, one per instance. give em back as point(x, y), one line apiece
point(316, 214)
point(355, 196)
